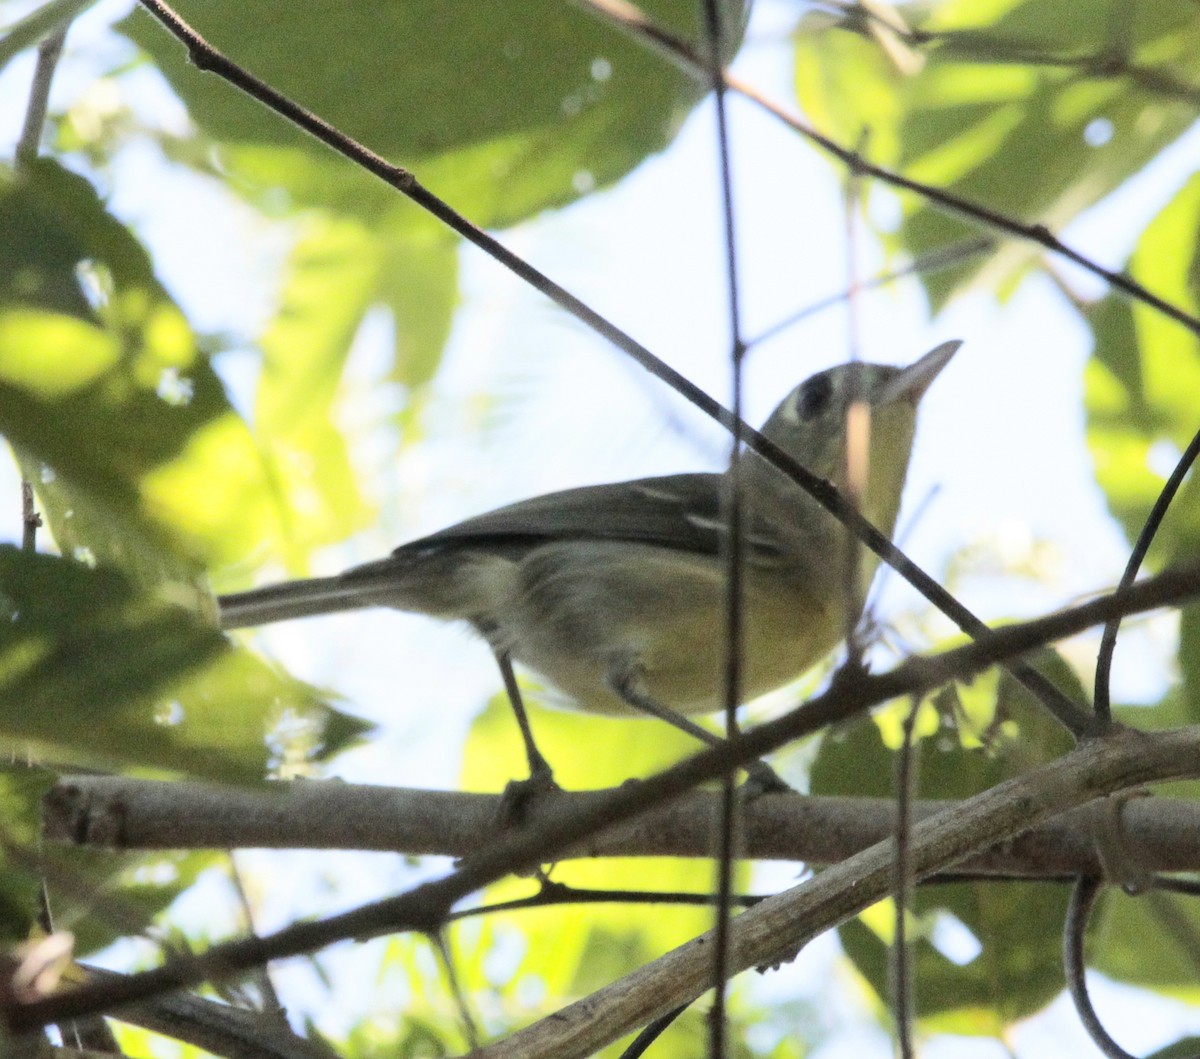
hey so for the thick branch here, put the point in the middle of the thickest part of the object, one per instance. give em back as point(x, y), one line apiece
point(774, 931)
point(119, 813)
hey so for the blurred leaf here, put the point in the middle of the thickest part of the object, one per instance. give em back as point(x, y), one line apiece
point(996, 109)
point(102, 896)
point(1184, 1048)
point(969, 738)
point(1150, 940)
point(84, 659)
point(119, 420)
point(28, 31)
point(337, 272)
point(505, 110)
point(1144, 373)
point(21, 791)
point(983, 954)
point(420, 285)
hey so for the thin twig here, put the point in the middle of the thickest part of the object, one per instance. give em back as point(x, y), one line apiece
point(442, 947)
point(637, 1047)
point(858, 427)
point(266, 984)
point(39, 97)
point(902, 885)
point(732, 500)
point(935, 260)
point(636, 24)
point(49, 50)
point(552, 894)
point(1083, 897)
point(216, 1027)
point(1108, 639)
point(1189, 887)
point(30, 519)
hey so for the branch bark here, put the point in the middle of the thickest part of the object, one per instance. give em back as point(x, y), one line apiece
point(122, 813)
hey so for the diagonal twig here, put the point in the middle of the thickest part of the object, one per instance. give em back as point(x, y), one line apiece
point(638, 25)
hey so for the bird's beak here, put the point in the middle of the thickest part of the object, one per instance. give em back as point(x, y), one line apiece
point(911, 383)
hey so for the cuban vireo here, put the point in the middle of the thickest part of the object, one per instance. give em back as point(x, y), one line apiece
point(615, 593)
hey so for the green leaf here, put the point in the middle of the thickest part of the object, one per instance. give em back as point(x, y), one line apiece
point(339, 270)
point(28, 31)
point(97, 895)
point(1146, 940)
point(506, 110)
point(118, 417)
point(1012, 975)
point(974, 110)
point(85, 660)
point(1183, 1048)
point(1001, 731)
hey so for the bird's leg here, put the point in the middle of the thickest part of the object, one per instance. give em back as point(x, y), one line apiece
point(520, 793)
point(539, 767)
point(626, 680)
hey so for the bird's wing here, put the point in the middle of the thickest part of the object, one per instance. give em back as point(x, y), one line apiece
point(677, 511)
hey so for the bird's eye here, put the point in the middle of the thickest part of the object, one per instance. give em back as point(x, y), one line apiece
point(813, 397)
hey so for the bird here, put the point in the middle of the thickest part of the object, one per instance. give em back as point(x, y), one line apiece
point(615, 593)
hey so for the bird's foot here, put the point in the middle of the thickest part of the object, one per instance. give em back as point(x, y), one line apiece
point(521, 795)
point(762, 779)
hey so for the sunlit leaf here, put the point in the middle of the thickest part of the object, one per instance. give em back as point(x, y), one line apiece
point(339, 270)
point(1145, 939)
point(507, 110)
point(574, 949)
point(1004, 110)
point(1139, 395)
point(85, 660)
point(119, 419)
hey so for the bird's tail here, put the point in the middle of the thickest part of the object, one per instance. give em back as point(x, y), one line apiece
point(296, 599)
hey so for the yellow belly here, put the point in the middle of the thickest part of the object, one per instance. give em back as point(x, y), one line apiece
point(578, 614)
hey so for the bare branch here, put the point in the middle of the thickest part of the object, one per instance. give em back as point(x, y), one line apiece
point(1161, 834)
point(221, 1029)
